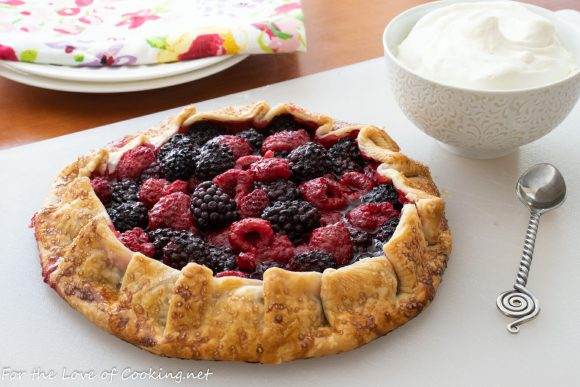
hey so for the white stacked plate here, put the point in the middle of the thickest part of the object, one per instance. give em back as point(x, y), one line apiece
point(114, 79)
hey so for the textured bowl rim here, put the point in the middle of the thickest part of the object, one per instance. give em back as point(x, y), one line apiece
point(441, 3)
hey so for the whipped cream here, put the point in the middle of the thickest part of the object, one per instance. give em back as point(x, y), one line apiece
point(486, 46)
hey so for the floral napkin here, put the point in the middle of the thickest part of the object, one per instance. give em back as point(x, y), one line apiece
point(129, 32)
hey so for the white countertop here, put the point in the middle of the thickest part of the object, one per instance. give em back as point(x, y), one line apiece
point(459, 340)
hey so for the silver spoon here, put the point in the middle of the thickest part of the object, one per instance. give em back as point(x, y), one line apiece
point(541, 188)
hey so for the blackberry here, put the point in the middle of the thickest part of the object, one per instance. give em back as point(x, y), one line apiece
point(386, 231)
point(295, 218)
point(176, 157)
point(346, 156)
point(315, 260)
point(128, 215)
point(383, 193)
point(263, 266)
point(281, 123)
point(213, 159)
point(281, 154)
point(309, 161)
point(221, 259)
point(360, 240)
point(211, 207)
point(279, 190)
point(161, 237)
point(153, 171)
point(184, 248)
point(124, 191)
point(202, 131)
point(253, 137)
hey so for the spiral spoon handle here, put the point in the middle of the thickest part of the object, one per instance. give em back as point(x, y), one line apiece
point(520, 303)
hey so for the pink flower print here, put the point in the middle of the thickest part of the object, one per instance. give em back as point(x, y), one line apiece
point(265, 29)
point(288, 7)
point(91, 19)
point(7, 53)
point(136, 19)
point(68, 11)
point(15, 3)
point(283, 35)
point(68, 30)
point(83, 3)
point(25, 13)
point(204, 46)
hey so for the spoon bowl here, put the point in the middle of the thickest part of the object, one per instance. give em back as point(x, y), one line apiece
point(541, 187)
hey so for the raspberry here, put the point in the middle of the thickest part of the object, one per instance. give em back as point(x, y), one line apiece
point(245, 162)
point(247, 261)
point(235, 182)
point(334, 239)
point(261, 268)
point(212, 208)
point(128, 215)
point(280, 250)
point(176, 157)
point(184, 248)
point(295, 218)
point(135, 161)
point(253, 137)
point(279, 190)
point(252, 204)
point(176, 186)
point(355, 184)
point(324, 193)
point(202, 131)
point(370, 216)
point(231, 273)
point(212, 160)
point(151, 191)
point(161, 237)
point(281, 123)
point(309, 161)
point(383, 193)
point(386, 231)
point(137, 240)
point(124, 191)
point(346, 156)
point(237, 145)
point(102, 189)
point(271, 169)
point(219, 237)
point(402, 197)
point(171, 211)
point(312, 261)
point(285, 141)
point(330, 217)
point(250, 234)
point(228, 181)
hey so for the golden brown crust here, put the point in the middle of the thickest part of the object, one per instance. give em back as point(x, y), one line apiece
point(288, 315)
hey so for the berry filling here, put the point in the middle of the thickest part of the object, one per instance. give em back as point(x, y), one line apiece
point(241, 200)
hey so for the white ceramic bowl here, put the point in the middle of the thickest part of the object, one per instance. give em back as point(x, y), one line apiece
point(473, 123)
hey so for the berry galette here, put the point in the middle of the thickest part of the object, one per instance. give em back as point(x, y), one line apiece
point(247, 233)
